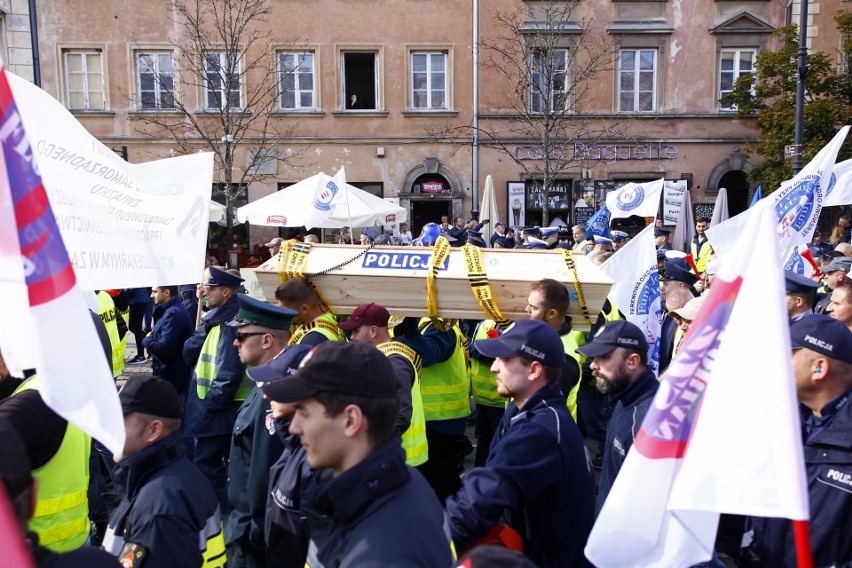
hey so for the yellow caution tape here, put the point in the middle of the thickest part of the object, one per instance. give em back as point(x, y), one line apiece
point(568, 256)
point(479, 285)
point(439, 255)
point(292, 259)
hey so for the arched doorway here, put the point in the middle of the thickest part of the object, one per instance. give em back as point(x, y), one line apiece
point(737, 185)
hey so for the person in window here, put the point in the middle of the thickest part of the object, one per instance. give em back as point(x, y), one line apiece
point(354, 103)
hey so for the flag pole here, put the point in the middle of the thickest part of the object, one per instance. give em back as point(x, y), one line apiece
point(802, 537)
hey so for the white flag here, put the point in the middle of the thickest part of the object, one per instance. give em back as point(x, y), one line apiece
point(329, 193)
point(798, 203)
point(75, 379)
point(841, 191)
point(724, 416)
point(636, 288)
point(642, 199)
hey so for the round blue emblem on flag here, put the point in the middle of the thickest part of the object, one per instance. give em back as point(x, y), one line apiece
point(794, 209)
point(630, 198)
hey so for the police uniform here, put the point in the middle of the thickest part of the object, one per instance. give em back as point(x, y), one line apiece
point(218, 386)
point(798, 284)
point(255, 446)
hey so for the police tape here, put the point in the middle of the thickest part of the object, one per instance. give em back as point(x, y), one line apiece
point(439, 254)
point(292, 259)
point(479, 285)
point(568, 257)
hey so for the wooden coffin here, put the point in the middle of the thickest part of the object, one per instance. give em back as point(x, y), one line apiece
point(396, 277)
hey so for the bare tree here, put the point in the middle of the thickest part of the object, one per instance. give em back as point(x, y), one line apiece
point(545, 60)
point(226, 56)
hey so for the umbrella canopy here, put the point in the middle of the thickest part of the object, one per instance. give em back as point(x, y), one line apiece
point(488, 210)
point(720, 210)
point(685, 228)
point(217, 212)
point(292, 207)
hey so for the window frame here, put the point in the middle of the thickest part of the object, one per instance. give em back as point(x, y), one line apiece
point(430, 75)
point(159, 89)
point(736, 73)
point(377, 51)
point(298, 92)
point(637, 51)
point(536, 94)
point(206, 90)
point(86, 91)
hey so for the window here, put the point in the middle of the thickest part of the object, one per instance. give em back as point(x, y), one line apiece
point(221, 81)
point(360, 80)
point(548, 78)
point(84, 80)
point(637, 80)
point(296, 79)
point(733, 64)
point(156, 80)
point(428, 80)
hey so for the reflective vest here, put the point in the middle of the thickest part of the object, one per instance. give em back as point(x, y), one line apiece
point(325, 324)
point(211, 543)
point(61, 517)
point(205, 369)
point(108, 313)
point(446, 386)
point(570, 342)
point(483, 382)
point(701, 256)
point(414, 438)
point(612, 314)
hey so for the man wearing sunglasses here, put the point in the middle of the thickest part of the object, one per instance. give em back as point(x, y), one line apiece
point(219, 382)
point(262, 332)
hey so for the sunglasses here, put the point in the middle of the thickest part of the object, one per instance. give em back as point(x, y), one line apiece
point(240, 335)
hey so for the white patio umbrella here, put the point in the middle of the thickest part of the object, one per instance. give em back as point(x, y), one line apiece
point(217, 212)
point(720, 210)
point(488, 210)
point(685, 228)
point(292, 206)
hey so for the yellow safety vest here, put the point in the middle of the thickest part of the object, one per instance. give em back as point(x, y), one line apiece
point(325, 324)
point(205, 369)
point(482, 381)
point(414, 438)
point(61, 517)
point(108, 313)
point(701, 257)
point(446, 385)
point(570, 342)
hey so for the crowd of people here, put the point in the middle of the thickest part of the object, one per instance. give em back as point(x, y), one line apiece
point(280, 434)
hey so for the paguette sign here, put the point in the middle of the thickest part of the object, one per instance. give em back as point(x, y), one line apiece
point(606, 153)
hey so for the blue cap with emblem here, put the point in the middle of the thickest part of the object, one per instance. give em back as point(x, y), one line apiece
point(824, 335)
point(660, 232)
point(283, 365)
point(530, 339)
point(548, 231)
point(221, 277)
point(678, 269)
point(618, 236)
point(798, 284)
point(615, 334)
point(257, 312)
point(602, 240)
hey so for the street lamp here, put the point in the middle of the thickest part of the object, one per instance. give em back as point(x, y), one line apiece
point(802, 73)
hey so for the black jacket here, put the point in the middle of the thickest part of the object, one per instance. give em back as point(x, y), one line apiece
point(172, 328)
point(379, 513)
point(166, 506)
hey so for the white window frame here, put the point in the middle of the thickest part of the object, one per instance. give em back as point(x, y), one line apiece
point(735, 73)
point(159, 90)
point(208, 90)
point(431, 75)
point(345, 90)
point(85, 73)
point(538, 90)
point(636, 72)
point(298, 73)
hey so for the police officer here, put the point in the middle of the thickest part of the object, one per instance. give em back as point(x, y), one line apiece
point(262, 333)
point(314, 325)
point(169, 514)
point(800, 295)
point(219, 383)
point(822, 365)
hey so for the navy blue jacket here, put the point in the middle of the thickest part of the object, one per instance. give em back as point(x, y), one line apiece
point(291, 487)
point(380, 512)
point(214, 415)
point(166, 505)
point(255, 446)
point(537, 479)
point(632, 405)
point(172, 328)
point(828, 466)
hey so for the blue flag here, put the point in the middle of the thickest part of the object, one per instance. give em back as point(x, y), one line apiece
point(599, 223)
point(758, 195)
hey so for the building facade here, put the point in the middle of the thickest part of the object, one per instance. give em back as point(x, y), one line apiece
point(388, 90)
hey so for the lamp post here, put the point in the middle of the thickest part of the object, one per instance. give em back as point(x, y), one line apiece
point(802, 73)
